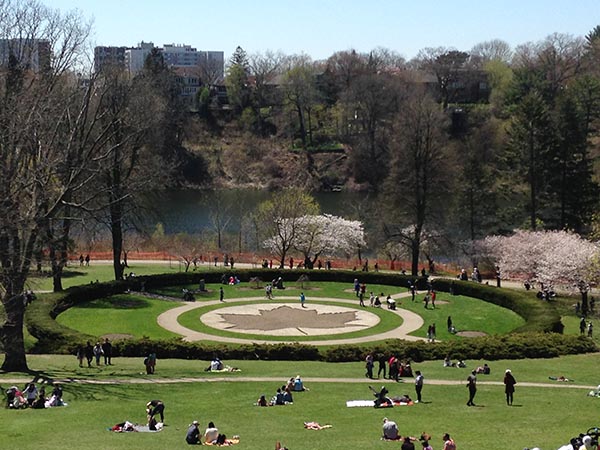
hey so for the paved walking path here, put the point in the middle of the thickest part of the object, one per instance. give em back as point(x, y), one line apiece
point(306, 380)
point(410, 323)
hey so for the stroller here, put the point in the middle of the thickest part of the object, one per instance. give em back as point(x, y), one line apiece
point(14, 398)
point(588, 440)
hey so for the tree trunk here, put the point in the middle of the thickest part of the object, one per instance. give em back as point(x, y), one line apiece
point(414, 267)
point(12, 335)
point(116, 216)
point(532, 179)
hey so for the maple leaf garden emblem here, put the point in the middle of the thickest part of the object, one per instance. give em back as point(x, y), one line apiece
point(288, 317)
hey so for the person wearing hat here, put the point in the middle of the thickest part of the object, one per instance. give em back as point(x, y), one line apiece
point(193, 434)
point(509, 386)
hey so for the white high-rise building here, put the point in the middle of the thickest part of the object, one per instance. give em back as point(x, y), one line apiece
point(135, 57)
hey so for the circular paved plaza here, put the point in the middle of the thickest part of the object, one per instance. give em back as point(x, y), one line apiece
point(288, 320)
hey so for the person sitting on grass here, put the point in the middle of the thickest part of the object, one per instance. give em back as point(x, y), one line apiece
point(193, 434)
point(278, 399)
point(30, 393)
point(287, 395)
point(216, 364)
point(299, 385)
point(262, 401)
point(211, 434)
point(390, 430)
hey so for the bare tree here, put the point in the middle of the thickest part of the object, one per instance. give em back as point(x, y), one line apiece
point(494, 50)
point(36, 113)
point(420, 173)
point(446, 65)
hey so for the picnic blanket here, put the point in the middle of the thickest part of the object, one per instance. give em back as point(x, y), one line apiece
point(128, 427)
point(371, 403)
point(227, 443)
point(226, 369)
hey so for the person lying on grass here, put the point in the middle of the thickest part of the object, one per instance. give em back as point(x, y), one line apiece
point(315, 426)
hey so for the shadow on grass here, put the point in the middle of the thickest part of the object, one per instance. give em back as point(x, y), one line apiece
point(117, 302)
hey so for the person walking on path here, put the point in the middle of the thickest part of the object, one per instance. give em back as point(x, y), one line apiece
point(302, 299)
point(107, 351)
point(472, 385)
point(418, 385)
point(382, 360)
point(89, 353)
point(150, 363)
point(509, 386)
point(221, 294)
point(582, 325)
point(97, 352)
point(369, 363)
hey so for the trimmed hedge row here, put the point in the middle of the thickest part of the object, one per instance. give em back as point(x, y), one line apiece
point(532, 340)
point(512, 346)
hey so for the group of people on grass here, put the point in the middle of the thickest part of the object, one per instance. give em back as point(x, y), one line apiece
point(211, 435)
point(97, 352)
point(391, 433)
point(32, 397)
point(283, 395)
point(395, 367)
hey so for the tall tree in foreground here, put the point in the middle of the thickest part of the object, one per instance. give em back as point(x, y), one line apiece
point(419, 175)
point(34, 105)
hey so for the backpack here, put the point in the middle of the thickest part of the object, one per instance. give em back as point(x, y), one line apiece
point(221, 438)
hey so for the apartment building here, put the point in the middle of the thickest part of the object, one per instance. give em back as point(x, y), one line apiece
point(31, 54)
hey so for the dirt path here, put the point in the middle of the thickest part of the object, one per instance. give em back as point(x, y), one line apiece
point(410, 323)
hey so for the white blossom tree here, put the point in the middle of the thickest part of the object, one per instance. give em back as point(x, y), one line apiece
point(546, 257)
point(279, 220)
point(327, 235)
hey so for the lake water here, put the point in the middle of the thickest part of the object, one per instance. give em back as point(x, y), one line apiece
point(190, 210)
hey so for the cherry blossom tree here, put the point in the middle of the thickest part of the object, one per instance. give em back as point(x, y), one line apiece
point(546, 257)
point(327, 235)
point(279, 220)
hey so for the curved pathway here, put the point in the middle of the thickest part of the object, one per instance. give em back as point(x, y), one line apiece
point(410, 323)
point(307, 380)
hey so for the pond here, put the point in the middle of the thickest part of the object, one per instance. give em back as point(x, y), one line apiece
point(190, 211)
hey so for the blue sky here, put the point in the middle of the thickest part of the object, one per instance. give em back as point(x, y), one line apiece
point(321, 27)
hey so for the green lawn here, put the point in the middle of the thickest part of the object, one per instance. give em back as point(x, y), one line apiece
point(137, 316)
point(76, 275)
point(119, 314)
point(542, 416)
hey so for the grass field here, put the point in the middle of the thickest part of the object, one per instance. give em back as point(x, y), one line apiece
point(137, 316)
point(542, 416)
point(545, 415)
